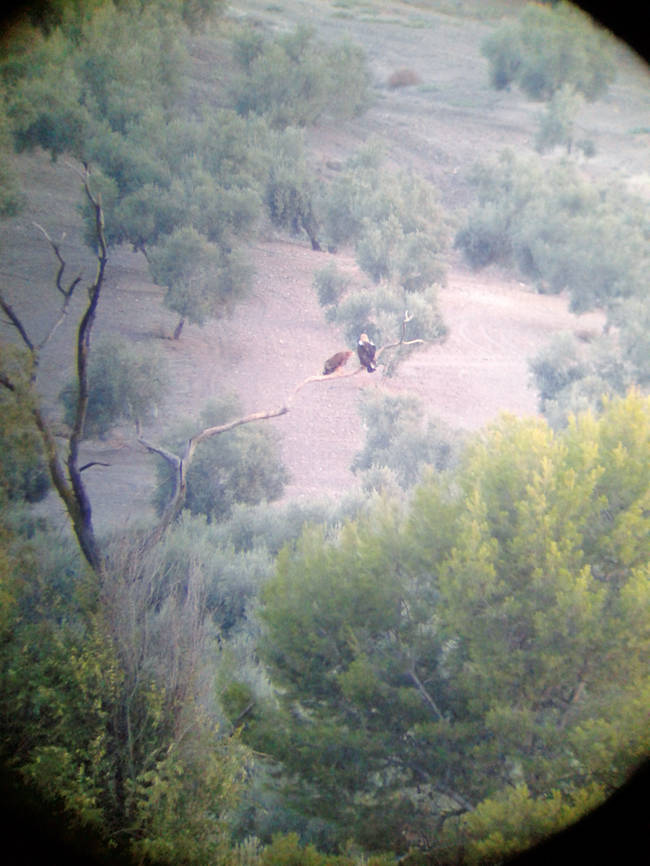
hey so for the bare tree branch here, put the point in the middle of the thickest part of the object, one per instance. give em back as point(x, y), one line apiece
point(66, 474)
point(18, 325)
point(6, 382)
point(66, 292)
point(62, 265)
point(181, 464)
point(230, 425)
point(424, 694)
point(83, 346)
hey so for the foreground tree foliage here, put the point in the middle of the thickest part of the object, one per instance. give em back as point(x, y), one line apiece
point(494, 635)
point(104, 702)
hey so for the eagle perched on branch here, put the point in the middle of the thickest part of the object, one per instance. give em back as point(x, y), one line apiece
point(366, 352)
point(336, 362)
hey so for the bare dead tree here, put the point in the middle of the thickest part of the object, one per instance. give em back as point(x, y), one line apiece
point(65, 471)
point(180, 464)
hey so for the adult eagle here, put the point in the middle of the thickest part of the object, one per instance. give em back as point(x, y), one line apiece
point(366, 352)
point(336, 362)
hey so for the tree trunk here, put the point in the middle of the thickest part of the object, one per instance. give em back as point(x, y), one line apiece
point(309, 227)
point(179, 328)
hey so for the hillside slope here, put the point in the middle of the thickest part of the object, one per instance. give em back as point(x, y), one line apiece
point(278, 336)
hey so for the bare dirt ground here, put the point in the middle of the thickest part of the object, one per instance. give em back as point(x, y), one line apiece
point(278, 336)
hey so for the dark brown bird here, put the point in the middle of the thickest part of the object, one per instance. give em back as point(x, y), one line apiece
point(336, 362)
point(366, 352)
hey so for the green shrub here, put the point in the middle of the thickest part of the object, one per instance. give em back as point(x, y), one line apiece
point(560, 230)
point(23, 469)
point(548, 48)
point(557, 121)
point(329, 284)
point(293, 80)
point(124, 383)
point(556, 366)
point(242, 465)
point(400, 438)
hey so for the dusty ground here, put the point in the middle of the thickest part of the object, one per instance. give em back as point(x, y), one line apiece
point(278, 337)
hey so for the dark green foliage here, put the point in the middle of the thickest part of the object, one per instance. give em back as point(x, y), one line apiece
point(380, 314)
point(503, 616)
point(103, 708)
point(112, 97)
point(290, 191)
point(503, 50)
point(556, 123)
point(557, 366)
point(242, 465)
point(124, 383)
point(633, 320)
point(399, 437)
point(294, 81)
point(12, 199)
point(548, 49)
point(201, 278)
point(572, 375)
point(393, 219)
point(330, 284)
point(231, 577)
point(400, 239)
point(258, 527)
point(561, 231)
point(23, 469)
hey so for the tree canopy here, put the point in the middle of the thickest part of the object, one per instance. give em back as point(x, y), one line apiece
point(550, 47)
point(503, 616)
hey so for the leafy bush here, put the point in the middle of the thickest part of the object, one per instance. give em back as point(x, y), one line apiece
point(400, 438)
point(549, 48)
point(560, 230)
point(232, 577)
point(203, 280)
point(390, 218)
point(421, 634)
point(242, 465)
point(124, 383)
point(292, 80)
point(556, 366)
point(503, 51)
point(23, 469)
point(290, 192)
point(80, 667)
point(330, 284)
point(380, 313)
point(572, 376)
point(556, 123)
